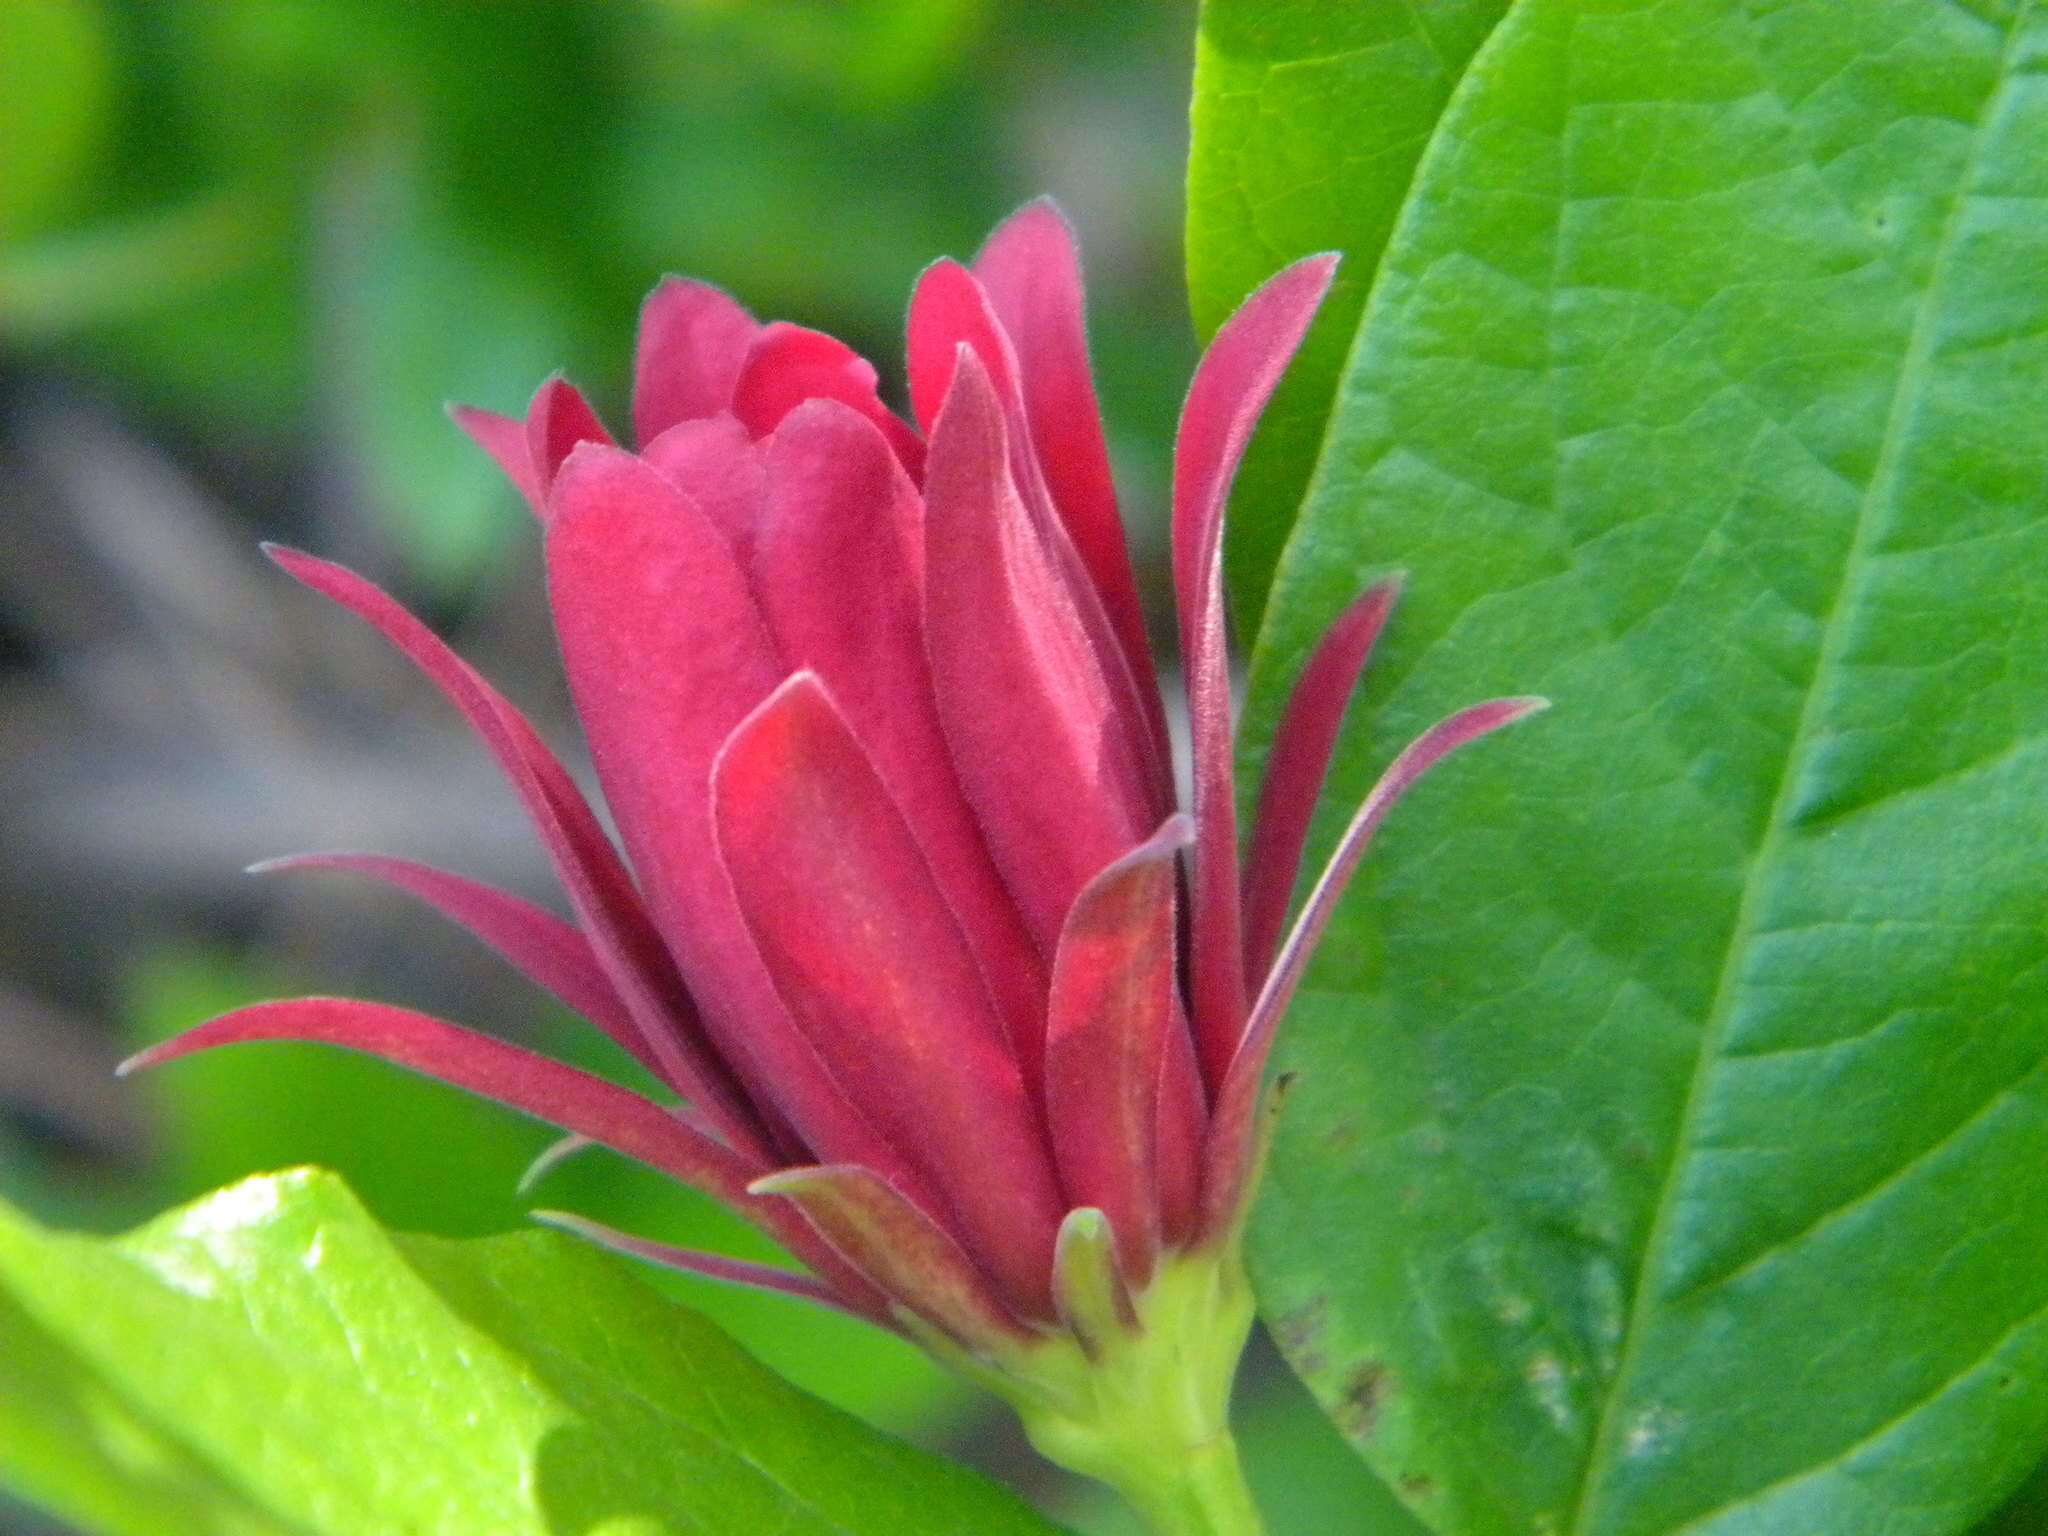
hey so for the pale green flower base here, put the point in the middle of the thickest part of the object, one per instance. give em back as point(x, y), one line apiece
point(1144, 1409)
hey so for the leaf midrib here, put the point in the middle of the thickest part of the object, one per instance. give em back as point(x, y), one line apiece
point(1879, 495)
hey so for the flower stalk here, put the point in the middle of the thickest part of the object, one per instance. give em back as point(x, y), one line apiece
point(941, 990)
point(1143, 1404)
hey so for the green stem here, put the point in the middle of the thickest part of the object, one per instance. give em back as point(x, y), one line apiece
point(1201, 1493)
point(1135, 1391)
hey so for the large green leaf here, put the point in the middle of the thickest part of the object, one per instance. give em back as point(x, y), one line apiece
point(270, 1362)
point(1308, 121)
point(1670, 1151)
point(2025, 1513)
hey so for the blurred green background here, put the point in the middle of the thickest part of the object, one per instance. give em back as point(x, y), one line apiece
point(248, 249)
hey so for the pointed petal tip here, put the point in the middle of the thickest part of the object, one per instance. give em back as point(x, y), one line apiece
point(781, 1182)
point(1495, 713)
point(589, 461)
point(146, 1058)
point(304, 568)
point(1041, 213)
point(802, 682)
point(971, 388)
point(282, 862)
point(546, 1161)
point(1174, 835)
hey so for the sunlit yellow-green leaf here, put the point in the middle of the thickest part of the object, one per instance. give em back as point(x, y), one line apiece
point(270, 1361)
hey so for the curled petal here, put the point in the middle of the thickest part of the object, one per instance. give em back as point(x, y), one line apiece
point(1231, 1136)
point(951, 317)
point(693, 339)
point(589, 1106)
point(1112, 1005)
point(547, 1090)
point(551, 1157)
point(1231, 386)
point(606, 903)
point(1235, 378)
point(550, 952)
point(1032, 274)
point(872, 963)
point(898, 1248)
point(559, 1152)
point(713, 1266)
point(1044, 751)
point(1295, 769)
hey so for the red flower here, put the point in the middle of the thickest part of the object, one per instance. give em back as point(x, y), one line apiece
point(872, 706)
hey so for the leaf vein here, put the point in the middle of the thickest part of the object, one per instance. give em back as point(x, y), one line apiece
point(1778, 823)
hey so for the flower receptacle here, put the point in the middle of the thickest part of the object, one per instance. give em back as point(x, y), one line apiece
point(1138, 1398)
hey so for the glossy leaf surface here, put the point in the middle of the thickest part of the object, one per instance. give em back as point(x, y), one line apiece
point(269, 1360)
point(1667, 1149)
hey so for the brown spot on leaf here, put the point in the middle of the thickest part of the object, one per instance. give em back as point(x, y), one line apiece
point(1417, 1486)
point(1357, 1410)
point(1299, 1333)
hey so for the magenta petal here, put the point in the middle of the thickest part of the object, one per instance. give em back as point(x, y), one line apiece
point(666, 653)
point(1231, 386)
point(608, 1114)
point(1230, 1143)
point(553, 954)
point(711, 1266)
point(589, 1106)
point(951, 318)
point(693, 339)
point(948, 311)
point(1032, 274)
point(714, 462)
point(1183, 1133)
point(899, 1249)
point(504, 439)
point(558, 420)
point(606, 903)
point(789, 365)
point(1044, 752)
point(1112, 1005)
point(1234, 380)
point(1294, 771)
point(834, 570)
point(872, 963)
